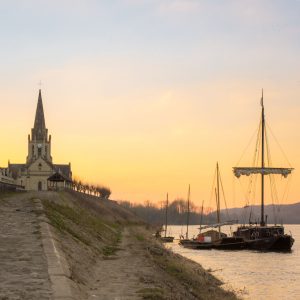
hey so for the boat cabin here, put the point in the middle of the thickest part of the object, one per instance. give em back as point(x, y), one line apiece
point(258, 232)
point(211, 235)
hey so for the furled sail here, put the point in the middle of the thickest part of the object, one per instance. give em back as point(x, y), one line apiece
point(264, 171)
point(220, 224)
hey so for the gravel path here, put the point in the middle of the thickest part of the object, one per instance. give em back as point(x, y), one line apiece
point(124, 276)
point(23, 266)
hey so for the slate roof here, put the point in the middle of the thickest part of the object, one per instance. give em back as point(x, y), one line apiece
point(63, 169)
point(14, 169)
point(59, 177)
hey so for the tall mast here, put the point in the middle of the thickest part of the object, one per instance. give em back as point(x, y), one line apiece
point(262, 220)
point(201, 217)
point(218, 198)
point(188, 213)
point(167, 203)
point(263, 169)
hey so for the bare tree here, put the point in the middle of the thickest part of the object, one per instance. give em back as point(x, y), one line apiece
point(104, 192)
point(91, 189)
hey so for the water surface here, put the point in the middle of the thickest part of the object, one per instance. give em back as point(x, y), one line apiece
point(252, 274)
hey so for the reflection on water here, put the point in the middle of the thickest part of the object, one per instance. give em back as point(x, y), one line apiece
point(260, 275)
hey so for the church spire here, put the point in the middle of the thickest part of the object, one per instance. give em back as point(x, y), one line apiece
point(39, 122)
point(39, 143)
point(39, 129)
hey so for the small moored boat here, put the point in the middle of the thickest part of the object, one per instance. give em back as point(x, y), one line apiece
point(166, 239)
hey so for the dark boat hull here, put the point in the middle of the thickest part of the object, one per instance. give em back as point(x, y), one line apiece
point(274, 243)
point(230, 243)
point(167, 239)
point(284, 243)
point(265, 238)
point(194, 244)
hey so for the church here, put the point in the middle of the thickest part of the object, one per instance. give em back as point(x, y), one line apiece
point(39, 173)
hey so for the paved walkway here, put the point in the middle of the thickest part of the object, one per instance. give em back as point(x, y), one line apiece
point(125, 276)
point(23, 266)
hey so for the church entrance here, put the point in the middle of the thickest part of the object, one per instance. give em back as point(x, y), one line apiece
point(40, 186)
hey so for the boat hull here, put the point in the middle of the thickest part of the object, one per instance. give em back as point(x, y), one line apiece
point(227, 243)
point(230, 243)
point(274, 243)
point(282, 243)
point(194, 244)
point(167, 239)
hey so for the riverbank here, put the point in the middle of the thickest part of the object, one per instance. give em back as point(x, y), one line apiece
point(110, 254)
point(113, 255)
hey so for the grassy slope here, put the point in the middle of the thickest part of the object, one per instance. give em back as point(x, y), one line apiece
point(196, 282)
point(90, 230)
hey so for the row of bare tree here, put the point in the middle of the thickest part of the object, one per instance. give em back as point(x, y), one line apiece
point(91, 189)
point(177, 212)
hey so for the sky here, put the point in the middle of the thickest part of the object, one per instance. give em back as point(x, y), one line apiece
point(145, 96)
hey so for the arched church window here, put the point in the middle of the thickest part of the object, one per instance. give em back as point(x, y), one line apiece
point(32, 149)
point(40, 166)
point(39, 149)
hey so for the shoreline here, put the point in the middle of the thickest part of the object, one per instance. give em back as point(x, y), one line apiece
point(135, 265)
point(99, 250)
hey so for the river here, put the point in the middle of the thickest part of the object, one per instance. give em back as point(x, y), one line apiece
point(251, 274)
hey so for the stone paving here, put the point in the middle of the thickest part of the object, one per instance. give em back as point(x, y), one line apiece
point(23, 265)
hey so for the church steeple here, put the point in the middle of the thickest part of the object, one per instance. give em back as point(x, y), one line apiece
point(39, 131)
point(39, 121)
point(39, 145)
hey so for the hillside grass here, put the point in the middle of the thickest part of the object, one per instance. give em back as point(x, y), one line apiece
point(91, 230)
point(197, 281)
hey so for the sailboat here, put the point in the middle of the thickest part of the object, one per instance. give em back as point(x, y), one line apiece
point(185, 241)
point(213, 239)
point(218, 239)
point(192, 243)
point(261, 236)
point(165, 238)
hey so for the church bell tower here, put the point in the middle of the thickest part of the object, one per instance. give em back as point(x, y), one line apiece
point(39, 144)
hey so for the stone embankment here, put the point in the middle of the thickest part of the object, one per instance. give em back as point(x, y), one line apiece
point(69, 246)
point(23, 265)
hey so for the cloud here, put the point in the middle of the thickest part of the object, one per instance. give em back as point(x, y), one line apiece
point(178, 6)
point(167, 6)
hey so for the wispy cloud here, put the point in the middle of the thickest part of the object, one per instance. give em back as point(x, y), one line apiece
point(167, 6)
point(179, 6)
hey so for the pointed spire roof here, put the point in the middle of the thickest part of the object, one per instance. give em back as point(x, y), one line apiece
point(39, 122)
point(39, 129)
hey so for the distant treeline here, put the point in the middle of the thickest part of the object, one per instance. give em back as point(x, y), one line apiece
point(91, 189)
point(177, 213)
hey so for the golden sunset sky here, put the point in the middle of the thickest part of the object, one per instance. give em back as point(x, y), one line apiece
point(144, 96)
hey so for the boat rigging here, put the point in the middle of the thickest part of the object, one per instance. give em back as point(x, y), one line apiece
point(264, 237)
